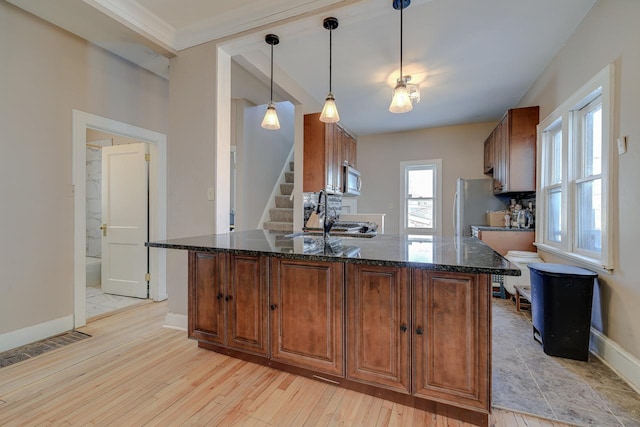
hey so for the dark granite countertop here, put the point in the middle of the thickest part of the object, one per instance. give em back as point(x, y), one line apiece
point(465, 255)
point(489, 228)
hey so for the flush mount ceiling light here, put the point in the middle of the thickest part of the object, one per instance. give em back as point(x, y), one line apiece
point(270, 120)
point(403, 93)
point(330, 111)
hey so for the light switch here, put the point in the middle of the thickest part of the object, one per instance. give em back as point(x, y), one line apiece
point(622, 145)
point(210, 194)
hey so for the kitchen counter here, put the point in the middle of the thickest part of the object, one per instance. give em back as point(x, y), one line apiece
point(372, 315)
point(503, 240)
point(463, 255)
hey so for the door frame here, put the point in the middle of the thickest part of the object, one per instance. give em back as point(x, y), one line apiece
point(157, 203)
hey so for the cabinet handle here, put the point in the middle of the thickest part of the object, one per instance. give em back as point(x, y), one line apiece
point(219, 296)
point(403, 328)
point(228, 298)
point(419, 330)
point(273, 306)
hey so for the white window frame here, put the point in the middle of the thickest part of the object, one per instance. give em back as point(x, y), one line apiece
point(436, 164)
point(602, 85)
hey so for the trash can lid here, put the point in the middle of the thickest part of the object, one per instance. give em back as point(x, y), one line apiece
point(561, 270)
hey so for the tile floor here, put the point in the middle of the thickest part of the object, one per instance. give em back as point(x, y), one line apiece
point(99, 303)
point(525, 379)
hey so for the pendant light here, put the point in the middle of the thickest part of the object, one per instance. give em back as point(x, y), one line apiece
point(270, 120)
point(401, 102)
point(330, 111)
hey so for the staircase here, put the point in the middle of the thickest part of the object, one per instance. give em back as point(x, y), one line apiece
point(281, 217)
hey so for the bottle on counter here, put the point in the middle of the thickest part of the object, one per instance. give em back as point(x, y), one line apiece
point(507, 221)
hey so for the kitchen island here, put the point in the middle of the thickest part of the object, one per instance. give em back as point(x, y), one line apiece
point(405, 318)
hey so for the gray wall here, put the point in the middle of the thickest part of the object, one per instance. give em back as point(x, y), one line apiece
point(609, 33)
point(379, 156)
point(45, 73)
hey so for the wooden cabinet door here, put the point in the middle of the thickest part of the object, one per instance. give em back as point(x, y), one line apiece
point(452, 337)
point(514, 162)
point(488, 153)
point(353, 151)
point(378, 326)
point(330, 156)
point(247, 304)
point(206, 296)
point(521, 160)
point(307, 314)
point(314, 156)
point(339, 157)
point(499, 158)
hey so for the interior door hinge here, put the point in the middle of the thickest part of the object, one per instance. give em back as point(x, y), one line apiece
point(147, 277)
point(147, 157)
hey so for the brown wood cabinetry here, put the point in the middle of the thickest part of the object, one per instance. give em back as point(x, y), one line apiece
point(451, 333)
point(246, 303)
point(378, 323)
point(307, 314)
point(514, 151)
point(489, 153)
point(418, 337)
point(228, 300)
point(327, 147)
point(353, 152)
point(206, 311)
point(505, 241)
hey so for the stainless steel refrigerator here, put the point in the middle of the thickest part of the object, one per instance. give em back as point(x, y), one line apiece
point(474, 197)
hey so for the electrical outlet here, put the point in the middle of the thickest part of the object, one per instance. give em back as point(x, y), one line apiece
point(622, 145)
point(210, 194)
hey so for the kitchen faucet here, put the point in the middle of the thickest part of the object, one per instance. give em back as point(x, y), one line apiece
point(326, 222)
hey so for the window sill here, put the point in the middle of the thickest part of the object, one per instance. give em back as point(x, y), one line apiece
point(581, 260)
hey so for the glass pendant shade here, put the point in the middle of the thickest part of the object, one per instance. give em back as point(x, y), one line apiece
point(330, 111)
point(401, 103)
point(270, 120)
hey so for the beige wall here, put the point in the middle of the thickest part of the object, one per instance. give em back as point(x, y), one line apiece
point(191, 159)
point(609, 33)
point(45, 73)
point(379, 156)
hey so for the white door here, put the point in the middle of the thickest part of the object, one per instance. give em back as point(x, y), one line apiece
point(124, 220)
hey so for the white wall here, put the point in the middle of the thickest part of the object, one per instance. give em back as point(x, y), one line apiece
point(261, 156)
point(609, 33)
point(45, 73)
point(461, 149)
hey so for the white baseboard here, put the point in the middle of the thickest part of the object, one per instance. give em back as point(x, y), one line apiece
point(30, 334)
point(623, 363)
point(176, 321)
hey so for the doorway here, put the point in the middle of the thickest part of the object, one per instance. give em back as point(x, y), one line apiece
point(82, 122)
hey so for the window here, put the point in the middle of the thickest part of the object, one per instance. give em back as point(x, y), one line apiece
point(574, 175)
point(420, 183)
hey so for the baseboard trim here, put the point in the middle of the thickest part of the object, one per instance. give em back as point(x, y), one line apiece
point(30, 334)
point(619, 360)
point(176, 321)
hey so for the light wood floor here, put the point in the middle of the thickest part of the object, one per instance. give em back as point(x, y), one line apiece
point(133, 372)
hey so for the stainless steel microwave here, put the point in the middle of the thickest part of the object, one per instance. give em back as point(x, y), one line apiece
point(352, 182)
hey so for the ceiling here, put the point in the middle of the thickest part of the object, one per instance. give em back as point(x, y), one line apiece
point(473, 59)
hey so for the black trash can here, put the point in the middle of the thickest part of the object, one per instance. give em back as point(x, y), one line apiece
point(561, 299)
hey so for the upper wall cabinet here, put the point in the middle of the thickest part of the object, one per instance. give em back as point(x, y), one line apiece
point(327, 148)
point(510, 151)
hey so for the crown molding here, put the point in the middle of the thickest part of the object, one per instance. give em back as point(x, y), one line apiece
point(140, 19)
point(240, 20)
